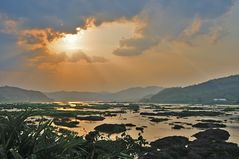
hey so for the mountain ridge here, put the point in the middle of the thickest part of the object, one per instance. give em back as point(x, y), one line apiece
point(220, 90)
point(126, 95)
point(15, 94)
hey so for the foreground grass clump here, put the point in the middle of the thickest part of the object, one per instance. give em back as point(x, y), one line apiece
point(21, 140)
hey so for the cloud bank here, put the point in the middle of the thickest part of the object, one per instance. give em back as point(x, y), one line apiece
point(36, 42)
point(162, 20)
point(181, 21)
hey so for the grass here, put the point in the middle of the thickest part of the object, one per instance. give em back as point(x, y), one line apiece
point(20, 139)
point(51, 110)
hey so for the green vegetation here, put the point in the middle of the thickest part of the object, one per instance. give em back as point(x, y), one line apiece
point(91, 118)
point(52, 110)
point(224, 90)
point(20, 140)
point(25, 136)
point(133, 107)
point(94, 106)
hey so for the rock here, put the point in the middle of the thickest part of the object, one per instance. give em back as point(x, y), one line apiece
point(148, 114)
point(210, 144)
point(209, 125)
point(183, 113)
point(178, 127)
point(140, 129)
point(211, 150)
point(182, 123)
point(213, 134)
point(130, 125)
point(92, 136)
point(110, 114)
point(170, 141)
point(111, 128)
point(91, 118)
point(210, 121)
point(157, 120)
point(149, 155)
point(65, 122)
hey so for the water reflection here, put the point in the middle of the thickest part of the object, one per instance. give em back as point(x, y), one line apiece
point(153, 131)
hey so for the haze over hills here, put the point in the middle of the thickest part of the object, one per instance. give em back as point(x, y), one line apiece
point(126, 95)
point(222, 90)
point(77, 96)
point(14, 94)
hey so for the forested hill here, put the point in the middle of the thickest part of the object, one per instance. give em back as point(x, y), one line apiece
point(14, 94)
point(222, 90)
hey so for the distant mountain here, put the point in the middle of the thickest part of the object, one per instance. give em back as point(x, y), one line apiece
point(78, 96)
point(222, 90)
point(14, 94)
point(127, 95)
point(135, 94)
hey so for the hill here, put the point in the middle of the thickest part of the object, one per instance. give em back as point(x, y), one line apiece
point(222, 90)
point(14, 94)
point(127, 95)
point(135, 93)
point(77, 96)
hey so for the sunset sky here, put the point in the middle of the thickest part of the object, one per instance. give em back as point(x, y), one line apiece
point(107, 45)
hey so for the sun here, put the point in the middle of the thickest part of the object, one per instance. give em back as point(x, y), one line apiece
point(68, 44)
point(94, 41)
point(71, 42)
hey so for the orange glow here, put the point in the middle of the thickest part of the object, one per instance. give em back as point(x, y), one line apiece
point(68, 44)
point(93, 40)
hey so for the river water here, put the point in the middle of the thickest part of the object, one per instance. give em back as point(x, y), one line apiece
point(153, 131)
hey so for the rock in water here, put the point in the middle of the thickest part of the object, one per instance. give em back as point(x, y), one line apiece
point(170, 141)
point(111, 128)
point(213, 134)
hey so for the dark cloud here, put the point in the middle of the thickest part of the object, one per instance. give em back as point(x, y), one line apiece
point(135, 46)
point(175, 21)
point(37, 38)
point(202, 8)
point(67, 15)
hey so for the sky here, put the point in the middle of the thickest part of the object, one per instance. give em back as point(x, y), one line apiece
point(108, 45)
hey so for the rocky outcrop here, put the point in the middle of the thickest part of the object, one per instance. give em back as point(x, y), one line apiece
point(209, 144)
